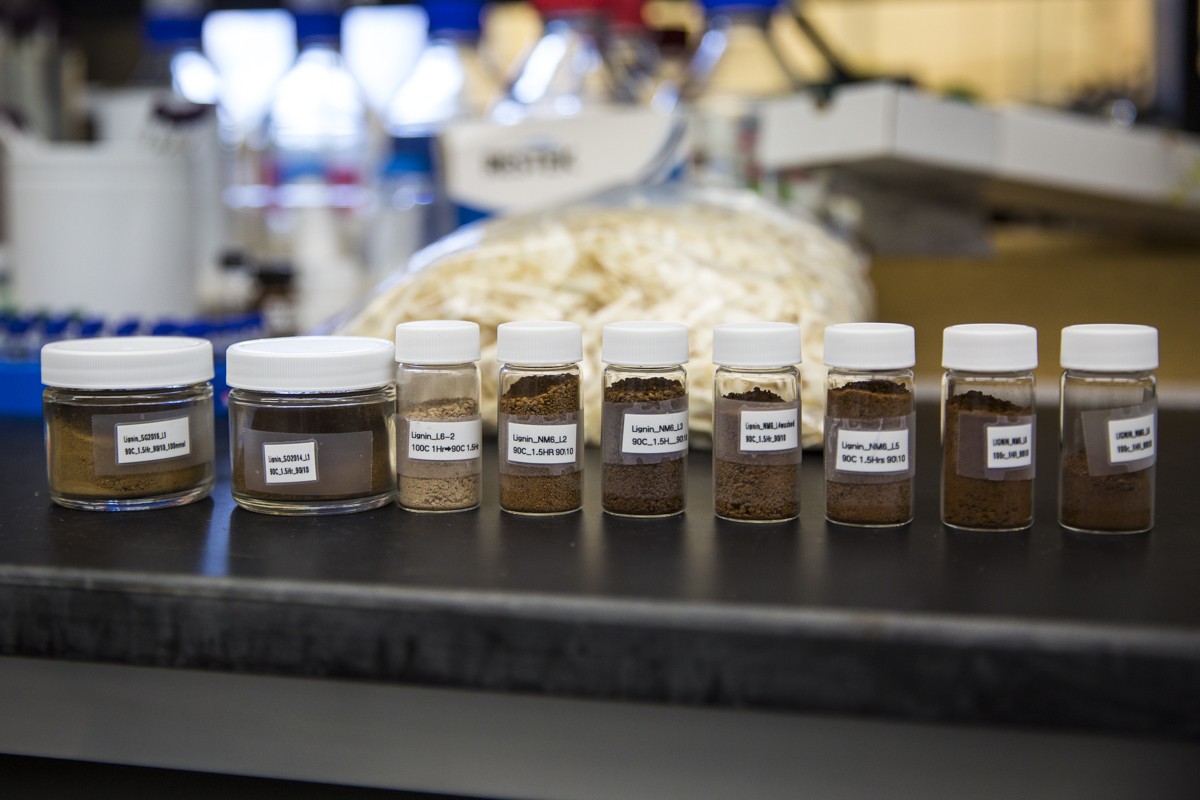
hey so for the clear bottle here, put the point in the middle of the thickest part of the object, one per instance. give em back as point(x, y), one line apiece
point(564, 72)
point(734, 68)
point(439, 430)
point(540, 417)
point(756, 421)
point(644, 433)
point(870, 424)
point(129, 422)
point(989, 426)
point(1108, 425)
point(630, 53)
point(310, 424)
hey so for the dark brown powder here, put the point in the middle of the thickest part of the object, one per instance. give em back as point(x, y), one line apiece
point(1122, 502)
point(755, 492)
point(975, 502)
point(542, 395)
point(72, 457)
point(653, 489)
point(869, 503)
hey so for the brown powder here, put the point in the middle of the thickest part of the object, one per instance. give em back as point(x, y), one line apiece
point(429, 485)
point(653, 489)
point(747, 491)
point(975, 502)
point(869, 503)
point(1122, 502)
point(548, 492)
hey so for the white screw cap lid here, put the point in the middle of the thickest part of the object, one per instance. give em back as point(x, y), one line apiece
point(1110, 348)
point(756, 344)
point(539, 343)
point(988, 347)
point(870, 345)
point(310, 364)
point(127, 362)
point(644, 344)
point(437, 341)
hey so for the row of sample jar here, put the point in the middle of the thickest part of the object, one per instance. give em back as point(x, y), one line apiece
point(323, 425)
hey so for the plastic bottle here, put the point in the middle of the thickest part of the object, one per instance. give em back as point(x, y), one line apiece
point(172, 57)
point(735, 66)
point(630, 52)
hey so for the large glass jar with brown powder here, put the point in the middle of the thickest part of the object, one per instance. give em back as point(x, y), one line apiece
point(989, 427)
point(540, 419)
point(1109, 428)
point(129, 422)
point(644, 434)
point(869, 424)
point(439, 433)
point(756, 421)
point(310, 424)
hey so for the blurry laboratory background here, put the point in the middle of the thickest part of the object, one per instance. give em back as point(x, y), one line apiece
point(234, 168)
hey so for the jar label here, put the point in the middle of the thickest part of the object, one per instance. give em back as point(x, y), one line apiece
point(444, 441)
point(541, 444)
point(872, 451)
point(289, 462)
point(1009, 446)
point(651, 434)
point(769, 431)
point(139, 442)
point(1120, 440)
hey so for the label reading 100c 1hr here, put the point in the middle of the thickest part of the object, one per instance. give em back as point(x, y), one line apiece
point(290, 462)
point(153, 441)
point(1130, 439)
point(767, 431)
point(444, 441)
point(541, 444)
point(647, 434)
point(1009, 446)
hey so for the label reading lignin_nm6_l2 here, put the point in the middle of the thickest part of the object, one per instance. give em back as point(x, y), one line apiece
point(290, 462)
point(139, 442)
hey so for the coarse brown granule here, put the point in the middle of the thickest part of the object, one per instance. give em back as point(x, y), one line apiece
point(645, 489)
point(541, 395)
point(652, 489)
point(431, 485)
point(869, 503)
point(541, 494)
point(755, 395)
point(1113, 503)
point(760, 492)
point(72, 459)
point(976, 502)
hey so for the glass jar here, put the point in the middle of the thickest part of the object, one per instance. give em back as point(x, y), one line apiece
point(869, 424)
point(439, 431)
point(129, 422)
point(989, 428)
point(310, 424)
point(644, 433)
point(540, 417)
point(1108, 425)
point(756, 421)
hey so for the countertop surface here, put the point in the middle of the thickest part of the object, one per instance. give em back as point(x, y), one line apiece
point(1043, 628)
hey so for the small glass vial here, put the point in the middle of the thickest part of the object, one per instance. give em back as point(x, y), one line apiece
point(129, 421)
point(869, 424)
point(989, 428)
point(310, 424)
point(1108, 426)
point(439, 432)
point(540, 417)
point(756, 421)
point(644, 433)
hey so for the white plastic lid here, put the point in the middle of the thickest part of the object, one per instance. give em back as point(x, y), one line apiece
point(756, 344)
point(127, 362)
point(539, 343)
point(437, 341)
point(1110, 348)
point(989, 347)
point(644, 344)
point(310, 364)
point(870, 345)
